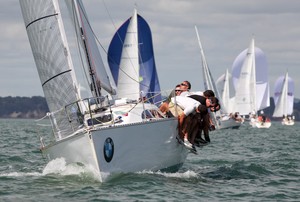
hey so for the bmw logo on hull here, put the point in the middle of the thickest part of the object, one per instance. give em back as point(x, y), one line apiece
point(108, 149)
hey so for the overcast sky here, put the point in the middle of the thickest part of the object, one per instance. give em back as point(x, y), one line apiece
point(225, 28)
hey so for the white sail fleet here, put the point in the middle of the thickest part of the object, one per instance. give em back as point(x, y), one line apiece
point(118, 127)
point(251, 90)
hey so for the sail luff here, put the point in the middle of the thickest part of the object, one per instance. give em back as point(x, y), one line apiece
point(253, 77)
point(226, 92)
point(290, 95)
point(285, 101)
point(128, 79)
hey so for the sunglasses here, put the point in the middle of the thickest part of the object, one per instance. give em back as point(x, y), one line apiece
point(177, 90)
point(183, 84)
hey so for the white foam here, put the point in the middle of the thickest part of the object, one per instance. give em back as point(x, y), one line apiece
point(20, 174)
point(59, 166)
point(188, 174)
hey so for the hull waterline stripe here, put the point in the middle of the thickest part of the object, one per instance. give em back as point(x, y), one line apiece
point(48, 16)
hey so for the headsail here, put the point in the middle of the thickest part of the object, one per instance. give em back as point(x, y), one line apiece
point(283, 96)
point(131, 60)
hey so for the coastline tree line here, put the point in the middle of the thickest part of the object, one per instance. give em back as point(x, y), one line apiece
point(36, 107)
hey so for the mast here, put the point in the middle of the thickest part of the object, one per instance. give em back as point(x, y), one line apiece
point(96, 89)
point(98, 75)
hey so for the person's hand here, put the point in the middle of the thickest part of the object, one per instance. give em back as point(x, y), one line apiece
point(164, 107)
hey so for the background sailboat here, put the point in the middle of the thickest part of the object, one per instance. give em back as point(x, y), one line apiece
point(284, 99)
point(249, 74)
point(220, 118)
point(106, 135)
point(225, 89)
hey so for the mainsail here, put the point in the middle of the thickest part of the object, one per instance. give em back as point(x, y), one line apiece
point(131, 60)
point(51, 54)
point(53, 60)
point(43, 23)
point(283, 96)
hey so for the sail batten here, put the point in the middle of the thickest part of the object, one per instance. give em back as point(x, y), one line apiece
point(48, 16)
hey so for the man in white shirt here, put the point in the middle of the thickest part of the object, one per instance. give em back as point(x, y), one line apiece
point(189, 106)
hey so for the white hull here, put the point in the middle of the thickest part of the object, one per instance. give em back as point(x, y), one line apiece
point(230, 123)
point(136, 147)
point(257, 123)
point(262, 124)
point(288, 122)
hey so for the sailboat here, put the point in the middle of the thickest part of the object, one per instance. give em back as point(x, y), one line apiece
point(107, 133)
point(252, 89)
point(224, 86)
point(284, 99)
point(221, 118)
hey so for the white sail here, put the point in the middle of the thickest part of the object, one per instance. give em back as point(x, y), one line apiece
point(51, 54)
point(128, 82)
point(283, 96)
point(245, 96)
point(226, 93)
point(261, 76)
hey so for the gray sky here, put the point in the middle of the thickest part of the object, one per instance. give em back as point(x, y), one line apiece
point(225, 29)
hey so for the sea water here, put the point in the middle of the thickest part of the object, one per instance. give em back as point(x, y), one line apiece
point(246, 164)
